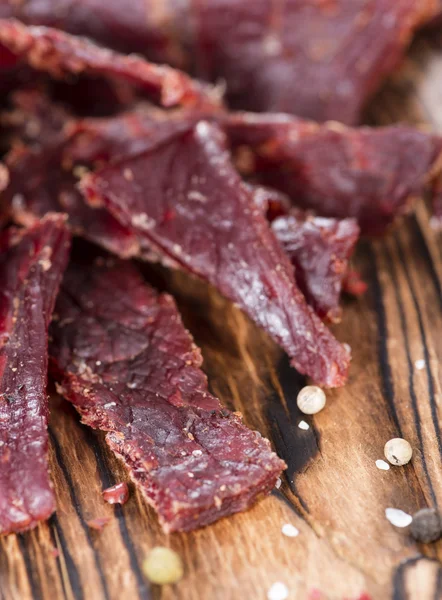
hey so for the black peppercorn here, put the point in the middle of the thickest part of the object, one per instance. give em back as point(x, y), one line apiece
point(426, 526)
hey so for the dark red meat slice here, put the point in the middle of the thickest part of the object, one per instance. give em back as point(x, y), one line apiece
point(63, 55)
point(319, 249)
point(322, 60)
point(131, 369)
point(190, 209)
point(365, 173)
point(39, 184)
point(57, 147)
point(146, 26)
point(31, 266)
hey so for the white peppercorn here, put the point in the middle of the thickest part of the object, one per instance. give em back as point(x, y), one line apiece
point(311, 399)
point(398, 451)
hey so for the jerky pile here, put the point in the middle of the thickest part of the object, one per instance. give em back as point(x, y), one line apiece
point(145, 162)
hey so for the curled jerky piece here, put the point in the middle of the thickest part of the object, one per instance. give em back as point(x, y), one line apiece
point(31, 266)
point(50, 148)
point(321, 60)
point(131, 369)
point(367, 173)
point(63, 55)
point(131, 26)
point(190, 209)
point(319, 249)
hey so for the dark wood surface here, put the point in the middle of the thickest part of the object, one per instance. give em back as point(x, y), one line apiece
point(333, 492)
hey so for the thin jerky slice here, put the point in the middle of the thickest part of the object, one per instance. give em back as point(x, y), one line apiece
point(63, 55)
point(142, 26)
point(131, 369)
point(31, 266)
point(319, 248)
point(57, 147)
point(190, 209)
point(337, 171)
point(320, 60)
point(39, 184)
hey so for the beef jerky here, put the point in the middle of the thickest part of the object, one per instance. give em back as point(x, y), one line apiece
point(190, 209)
point(31, 265)
point(45, 170)
point(63, 56)
point(39, 184)
point(319, 249)
point(131, 369)
point(320, 60)
point(365, 173)
point(142, 26)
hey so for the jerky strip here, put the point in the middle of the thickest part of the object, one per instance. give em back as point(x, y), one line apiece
point(131, 369)
point(49, 150)
point(63, 55)
point(321, 60)
point(190, 209)
point(31, 265)
point(365, 173)
point(319, 249)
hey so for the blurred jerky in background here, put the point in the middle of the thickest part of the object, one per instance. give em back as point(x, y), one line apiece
point(322, 60)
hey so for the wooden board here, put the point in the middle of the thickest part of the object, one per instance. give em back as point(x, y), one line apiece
point(333, 492)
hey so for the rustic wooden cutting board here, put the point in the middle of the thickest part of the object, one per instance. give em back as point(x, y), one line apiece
point(333, 492)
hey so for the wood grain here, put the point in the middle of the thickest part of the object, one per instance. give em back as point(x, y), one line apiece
point(332, 492)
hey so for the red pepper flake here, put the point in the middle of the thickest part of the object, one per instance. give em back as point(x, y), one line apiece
point(54, 552)
point(117, 494)
point(99, 523)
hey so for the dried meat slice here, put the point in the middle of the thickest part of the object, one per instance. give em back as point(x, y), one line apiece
point(319, 60)
point(190, 209)
point(142, 26)
point(49, 150)
point(126, 362)
point(32, 262)
point(62, 56)
point(319, 248)
point(365, 173)
point(39, 184)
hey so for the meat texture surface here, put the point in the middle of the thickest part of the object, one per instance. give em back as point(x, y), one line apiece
point(370, 174)
point(63, 55)
point(319, 60)
point(189, 209)
point(31, 266)
point(319, 249)
point(50, 148)
point(126, 362)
